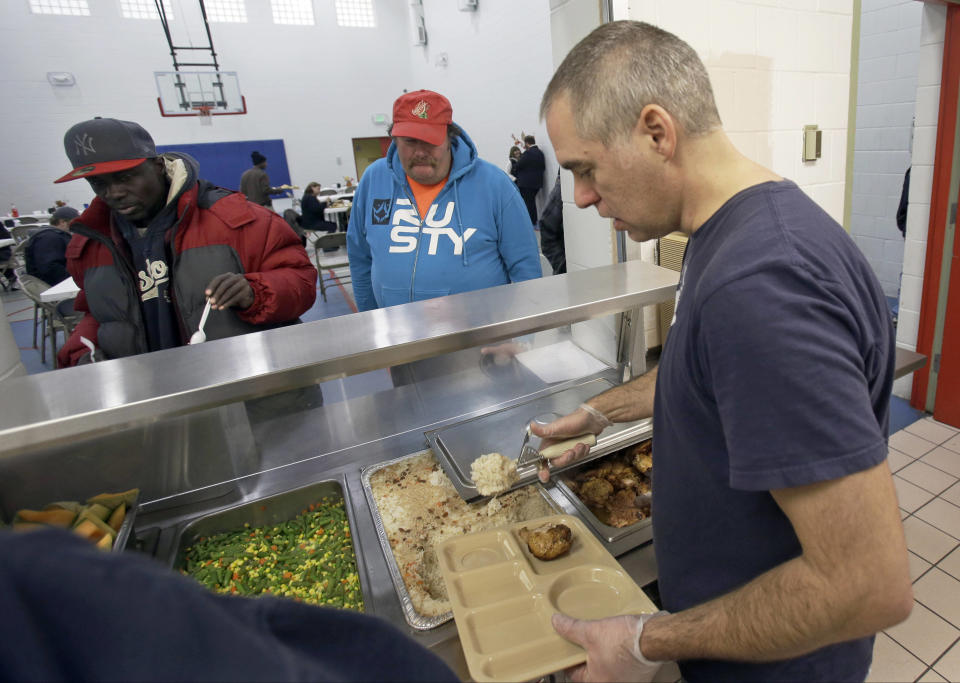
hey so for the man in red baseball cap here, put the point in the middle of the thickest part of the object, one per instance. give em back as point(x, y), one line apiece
point(432, 218)
point(158, 242)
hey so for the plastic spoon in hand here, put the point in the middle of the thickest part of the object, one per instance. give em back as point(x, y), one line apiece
point(93, 350)
point(200, 336)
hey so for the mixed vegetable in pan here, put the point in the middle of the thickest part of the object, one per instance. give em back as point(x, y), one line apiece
point(309, 558)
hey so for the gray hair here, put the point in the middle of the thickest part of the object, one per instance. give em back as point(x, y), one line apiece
point(623, 66)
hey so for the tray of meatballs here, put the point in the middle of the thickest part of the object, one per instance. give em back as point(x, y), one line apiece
point(612, 494)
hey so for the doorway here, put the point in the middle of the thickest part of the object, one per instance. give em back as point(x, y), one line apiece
point(937, 387)
point(368, 150)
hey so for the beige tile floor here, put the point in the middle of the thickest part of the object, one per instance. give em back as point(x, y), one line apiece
point(925, 460)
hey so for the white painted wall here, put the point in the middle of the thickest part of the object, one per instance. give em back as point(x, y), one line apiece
point(504, 44)
point(315, 87)
point(933, 22)
point(775, 67)
point(886, 97)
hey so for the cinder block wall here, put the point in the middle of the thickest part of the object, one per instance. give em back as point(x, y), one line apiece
point(774, 69)
point(930, 61)
point(886, 98)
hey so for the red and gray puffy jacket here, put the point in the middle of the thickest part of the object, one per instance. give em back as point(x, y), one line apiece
point(215, 232)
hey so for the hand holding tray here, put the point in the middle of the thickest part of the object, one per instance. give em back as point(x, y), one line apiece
point(503, 598)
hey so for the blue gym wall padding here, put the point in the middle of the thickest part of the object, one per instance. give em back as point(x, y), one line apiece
point(222, 163)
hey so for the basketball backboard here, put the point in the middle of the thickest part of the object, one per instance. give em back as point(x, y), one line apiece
point(192, 93)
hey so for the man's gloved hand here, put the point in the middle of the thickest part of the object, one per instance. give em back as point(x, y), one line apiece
point(612, 645)
point(584, 420)
point(229, 290)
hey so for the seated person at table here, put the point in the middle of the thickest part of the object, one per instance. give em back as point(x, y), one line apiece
point(157, 242)
point(46, 251)
point(9, 275)
point(311, 207)
point(74, 613)
point(433, 218)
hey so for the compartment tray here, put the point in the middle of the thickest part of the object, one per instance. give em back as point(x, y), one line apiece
point(503, 598)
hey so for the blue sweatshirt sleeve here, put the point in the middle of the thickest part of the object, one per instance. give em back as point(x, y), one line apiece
point(518, 244)
point(358, 251)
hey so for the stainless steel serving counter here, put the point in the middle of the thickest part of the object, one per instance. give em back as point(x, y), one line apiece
point(203, 428)
point(300, 458)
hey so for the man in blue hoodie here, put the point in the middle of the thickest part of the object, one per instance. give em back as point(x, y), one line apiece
point(432, 218)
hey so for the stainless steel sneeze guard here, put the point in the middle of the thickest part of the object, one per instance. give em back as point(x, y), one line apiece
point(66, 405)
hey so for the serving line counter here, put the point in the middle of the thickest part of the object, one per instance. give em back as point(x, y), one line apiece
point(202, 429)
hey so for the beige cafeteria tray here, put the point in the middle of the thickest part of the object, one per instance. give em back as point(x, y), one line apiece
point(503, 598)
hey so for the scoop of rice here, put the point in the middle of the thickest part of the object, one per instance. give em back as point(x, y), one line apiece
point(493, 473)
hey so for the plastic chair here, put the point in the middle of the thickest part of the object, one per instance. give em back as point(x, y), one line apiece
point(331, 260)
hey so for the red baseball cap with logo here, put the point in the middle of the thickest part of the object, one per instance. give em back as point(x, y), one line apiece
point(422, 114)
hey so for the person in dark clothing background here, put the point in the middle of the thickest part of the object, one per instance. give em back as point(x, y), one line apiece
point(530, 168)
point(514, 157)
point(551, 230)
point(255, 183)
point(73, 613)
point(9, 275)
point(46, 251)
point(311, 209)
point(904, 200)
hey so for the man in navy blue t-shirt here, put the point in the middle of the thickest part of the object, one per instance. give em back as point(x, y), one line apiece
point(778, 539)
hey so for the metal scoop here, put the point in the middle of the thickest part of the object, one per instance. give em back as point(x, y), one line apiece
point(531, 455)
point(200, 336)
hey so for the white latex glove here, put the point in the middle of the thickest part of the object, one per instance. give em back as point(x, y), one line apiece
point(612, 645)
point(584, 420)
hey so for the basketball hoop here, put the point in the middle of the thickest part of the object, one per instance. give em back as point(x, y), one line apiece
point(205, 114)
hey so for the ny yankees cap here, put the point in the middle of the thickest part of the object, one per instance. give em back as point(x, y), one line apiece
point(422, 114)
point(105, 146)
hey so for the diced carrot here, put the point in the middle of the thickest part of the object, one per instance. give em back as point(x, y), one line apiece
point(287, 575)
